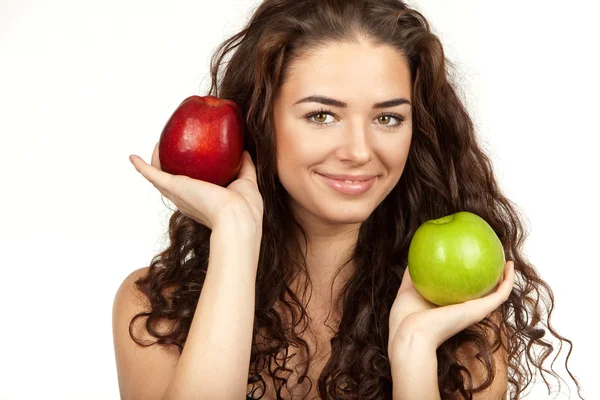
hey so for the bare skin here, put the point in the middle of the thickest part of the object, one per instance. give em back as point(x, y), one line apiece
point(353, 139)
point(357, 139)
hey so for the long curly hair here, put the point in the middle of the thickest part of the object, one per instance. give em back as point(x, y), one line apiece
point(446, 171)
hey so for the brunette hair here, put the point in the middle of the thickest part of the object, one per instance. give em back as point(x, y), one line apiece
point(446, 171)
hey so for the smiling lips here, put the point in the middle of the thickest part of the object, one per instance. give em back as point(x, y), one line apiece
point(348, 184)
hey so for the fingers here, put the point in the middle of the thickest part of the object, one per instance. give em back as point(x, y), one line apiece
point(155, 158)
point(247, 170)
point(506, 286)
point(161, 180)
point(461, 316)
point(473, 311)
point(502, 291)
point(491, 301)
point(440, 323)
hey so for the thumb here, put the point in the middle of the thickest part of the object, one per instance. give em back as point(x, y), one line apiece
point(406, 279)
point(155, 162)
point(406, 283)
point(247, 170)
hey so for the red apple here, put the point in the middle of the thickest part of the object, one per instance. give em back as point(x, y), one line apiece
point(203, 139)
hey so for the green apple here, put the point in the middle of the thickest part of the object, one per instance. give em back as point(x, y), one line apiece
point(455, 258)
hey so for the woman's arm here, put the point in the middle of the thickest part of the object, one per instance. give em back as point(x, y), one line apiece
point(218, 343)
point(414, 371)
point(418, 328)
point(216, 357)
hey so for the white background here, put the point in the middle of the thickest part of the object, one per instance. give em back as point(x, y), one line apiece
point(85, 84)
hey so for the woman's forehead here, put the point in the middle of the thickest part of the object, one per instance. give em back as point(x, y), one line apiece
point(351, 71)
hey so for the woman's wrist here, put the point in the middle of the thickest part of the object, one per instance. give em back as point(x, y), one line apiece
point(409, 346)
point(413, 363)
point(238, 229)
point(408, 340)
point(238, 219)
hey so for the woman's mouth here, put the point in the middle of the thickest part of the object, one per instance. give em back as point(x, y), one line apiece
point(348, 186)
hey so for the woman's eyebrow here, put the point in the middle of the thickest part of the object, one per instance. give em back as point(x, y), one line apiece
point(328, 101)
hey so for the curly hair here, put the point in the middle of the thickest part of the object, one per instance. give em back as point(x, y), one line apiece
point(446, 171)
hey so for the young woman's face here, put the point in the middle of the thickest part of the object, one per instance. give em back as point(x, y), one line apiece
point(355, 138)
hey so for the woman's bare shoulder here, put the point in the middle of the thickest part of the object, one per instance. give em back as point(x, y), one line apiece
point(143, 372)
point(128, 289)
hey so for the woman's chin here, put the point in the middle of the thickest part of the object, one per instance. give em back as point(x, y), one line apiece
point(347, 216)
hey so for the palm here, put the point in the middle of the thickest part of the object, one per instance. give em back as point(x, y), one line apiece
point(248, 191)
point(412, 315)
point(204, 201)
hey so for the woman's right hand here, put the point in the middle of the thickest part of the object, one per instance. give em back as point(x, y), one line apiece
point(206, 202)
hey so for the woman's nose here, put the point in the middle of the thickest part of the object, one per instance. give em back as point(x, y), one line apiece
point(356, 146)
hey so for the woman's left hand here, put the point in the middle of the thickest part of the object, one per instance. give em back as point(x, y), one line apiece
point(412, 316)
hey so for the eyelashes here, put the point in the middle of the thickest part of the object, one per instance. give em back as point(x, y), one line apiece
point(308, 117)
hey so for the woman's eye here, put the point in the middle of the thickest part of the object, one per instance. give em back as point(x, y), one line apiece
point(384, 119)
point(321, 118)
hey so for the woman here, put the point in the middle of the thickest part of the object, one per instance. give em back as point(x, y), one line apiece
point(306, 292)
